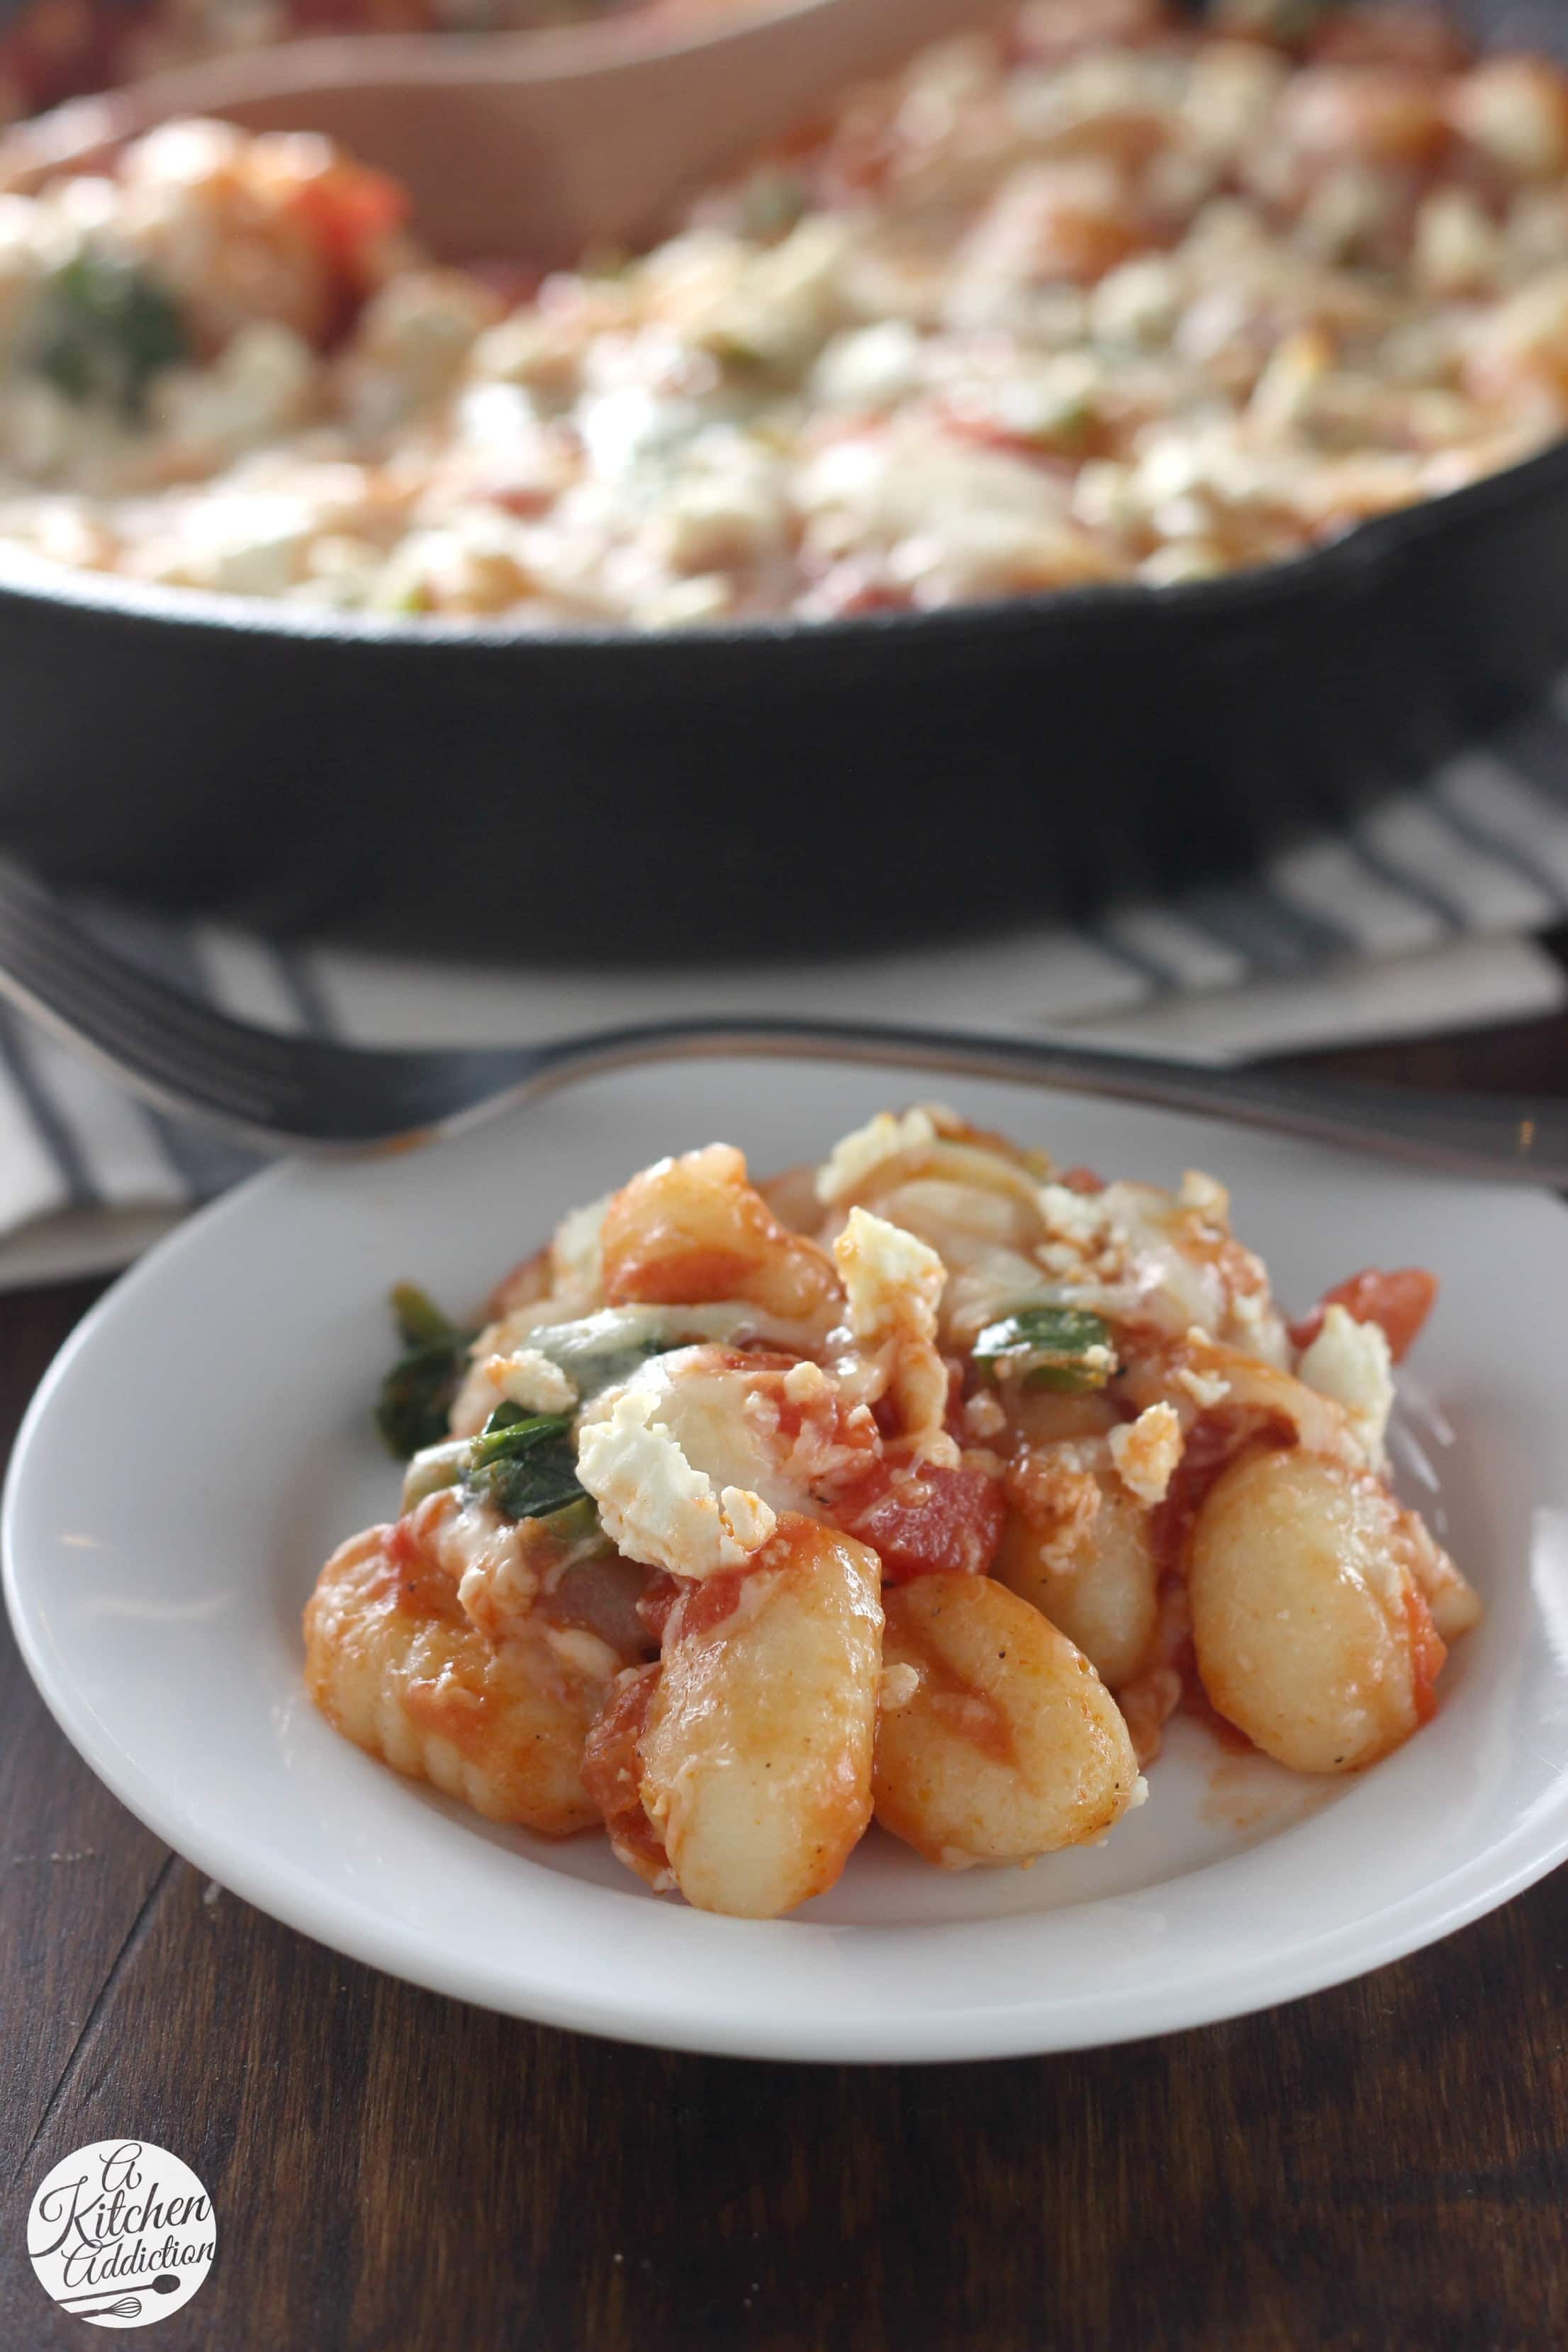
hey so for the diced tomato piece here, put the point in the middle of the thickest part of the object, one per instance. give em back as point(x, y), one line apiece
point(659, 1598)
point(346, 208)
point(1400, 1302)
point(403, 1548)
point(927, 1521)
point(699, 1607)
point(612, 1774)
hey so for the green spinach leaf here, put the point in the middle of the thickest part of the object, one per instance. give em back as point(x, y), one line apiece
point(107, 329)
point(524, 1464)
point(417, 1393)
point(1062, 1348)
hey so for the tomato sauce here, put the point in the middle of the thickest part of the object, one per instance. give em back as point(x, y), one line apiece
point(612, 1774)
point(1400, 1301)
point(927, 1521)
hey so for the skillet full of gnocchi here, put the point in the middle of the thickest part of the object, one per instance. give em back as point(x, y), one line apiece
point(921, 1487)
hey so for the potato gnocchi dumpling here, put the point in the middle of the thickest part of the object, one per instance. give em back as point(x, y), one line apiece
point(1007, 1744)
point(756, 1753)
point(1311, 1633)
point(924, 1484)
point(395, 1665)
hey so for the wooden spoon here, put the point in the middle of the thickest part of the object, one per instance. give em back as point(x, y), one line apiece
point(534, 145)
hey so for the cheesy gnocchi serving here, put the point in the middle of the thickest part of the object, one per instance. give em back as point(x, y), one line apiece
point(1102, 296)
point(921, 1488)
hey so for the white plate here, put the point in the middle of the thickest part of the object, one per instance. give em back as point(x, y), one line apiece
point(203, 1443)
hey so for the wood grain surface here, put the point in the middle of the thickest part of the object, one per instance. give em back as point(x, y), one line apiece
point(1379, 2168)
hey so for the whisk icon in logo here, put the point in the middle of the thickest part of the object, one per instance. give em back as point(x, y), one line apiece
point(121, 2233)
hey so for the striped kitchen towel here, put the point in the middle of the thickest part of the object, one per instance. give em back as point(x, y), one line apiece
point(1419, 919)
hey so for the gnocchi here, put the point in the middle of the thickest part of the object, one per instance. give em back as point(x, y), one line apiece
point(395, 1665)
point(1010, 1745)
point(920, 1486)
point(756, 1753)
point(1311, 1632)
point(1084, 1557)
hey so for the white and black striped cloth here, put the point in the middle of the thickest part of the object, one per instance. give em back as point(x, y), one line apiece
point(1420, 920)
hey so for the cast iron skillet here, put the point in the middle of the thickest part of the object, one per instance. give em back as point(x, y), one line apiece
point(771, 788)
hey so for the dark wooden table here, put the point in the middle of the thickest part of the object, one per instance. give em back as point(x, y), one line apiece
point(1383, 2169)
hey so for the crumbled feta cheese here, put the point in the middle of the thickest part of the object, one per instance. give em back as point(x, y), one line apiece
point(719, 523)
point(899, 1685)
point(869, 367)
point(1137, 303)
point(687, 603)
point(805, 1383)
point(1197, 558)
point(1205, 1389)
point(1146, 1452)
point(1351, 1363)
point(528, 1379)
point(1511, 109)
point(983, 1416)
point(750, 1521)
point(655, 1506)
point(1152, 1247)
point(1205, 1196)
point(1060, 1257)
point(1457, 247)
point(1078, 1218)
point(785, 304)
point(1255, 1325)
point(1140, 1794)
point(1055, 1490)
point(892, 1280)
point(577, 1253)
point(246, 543)
point(261, 385)
point(856, 1156)
point(955, 514)
point(893, 1285)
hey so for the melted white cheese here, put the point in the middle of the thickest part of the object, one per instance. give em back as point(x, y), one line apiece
point(1351, 1363)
